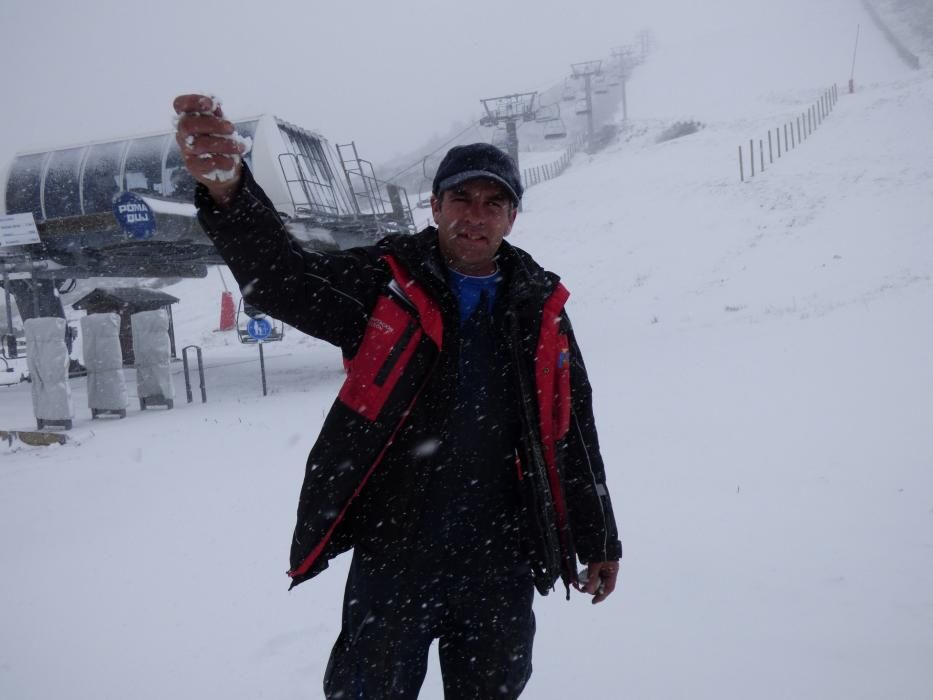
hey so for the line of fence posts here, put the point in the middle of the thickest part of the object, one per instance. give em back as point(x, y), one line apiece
point(807, 122)
point(548, 171)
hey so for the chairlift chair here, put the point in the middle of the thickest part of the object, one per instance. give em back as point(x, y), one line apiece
point(582, 107)
point(245, 312)
point(554, 130)
point(426, 185)
point(548, 113)
point(599, 85)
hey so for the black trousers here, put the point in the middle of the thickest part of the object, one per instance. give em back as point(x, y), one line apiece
point(484, 626)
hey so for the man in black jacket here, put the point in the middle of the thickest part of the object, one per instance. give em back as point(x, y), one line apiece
point(460, 460)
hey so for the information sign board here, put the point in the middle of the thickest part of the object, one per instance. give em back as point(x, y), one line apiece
point(259, 328)
point(18, 229)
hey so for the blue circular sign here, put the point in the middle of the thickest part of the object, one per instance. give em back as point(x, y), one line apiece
point(259, 328)
point(134, 216)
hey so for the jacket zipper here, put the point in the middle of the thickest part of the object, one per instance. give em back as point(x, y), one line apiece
point(537, 459)
point(302, 568)
point(389, 363)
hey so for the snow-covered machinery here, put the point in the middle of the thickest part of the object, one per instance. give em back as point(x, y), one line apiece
point(328, 196)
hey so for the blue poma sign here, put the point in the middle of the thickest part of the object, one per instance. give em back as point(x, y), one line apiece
point(134, 216)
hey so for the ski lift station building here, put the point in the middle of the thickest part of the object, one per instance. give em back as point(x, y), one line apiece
point(328, 196)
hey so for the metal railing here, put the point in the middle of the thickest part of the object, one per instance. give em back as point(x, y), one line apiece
point(184, 359)
point(385, 205)
point(310, 202)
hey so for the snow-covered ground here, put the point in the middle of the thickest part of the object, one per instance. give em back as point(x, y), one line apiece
point(761, 357)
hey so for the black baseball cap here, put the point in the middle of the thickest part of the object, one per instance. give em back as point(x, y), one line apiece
point(464, 163)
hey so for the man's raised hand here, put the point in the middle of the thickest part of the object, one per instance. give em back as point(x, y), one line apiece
point(211, 148)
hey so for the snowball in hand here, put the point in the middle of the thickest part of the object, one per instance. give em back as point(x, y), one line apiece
point(220, 174)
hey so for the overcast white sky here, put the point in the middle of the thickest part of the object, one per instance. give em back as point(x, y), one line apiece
point(386, 74)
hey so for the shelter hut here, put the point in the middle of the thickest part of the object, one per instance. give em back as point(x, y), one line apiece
point(127, 301)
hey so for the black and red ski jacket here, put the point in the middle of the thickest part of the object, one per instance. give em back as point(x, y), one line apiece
point(390, 310)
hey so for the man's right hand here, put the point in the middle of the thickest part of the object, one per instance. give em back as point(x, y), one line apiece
point(211, 153)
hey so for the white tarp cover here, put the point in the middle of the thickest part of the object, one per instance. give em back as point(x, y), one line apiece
point(153, 352)
point(48, 368)
point(103, 357)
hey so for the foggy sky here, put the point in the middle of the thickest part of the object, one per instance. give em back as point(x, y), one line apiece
point(387, 75)
point(384, 74)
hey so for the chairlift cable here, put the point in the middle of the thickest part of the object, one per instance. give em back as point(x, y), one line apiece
point(431, 153)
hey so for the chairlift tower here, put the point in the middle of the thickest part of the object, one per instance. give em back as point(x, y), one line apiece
point(508, 110)
point(645, 40)
point(586, 70)
point(623, 57)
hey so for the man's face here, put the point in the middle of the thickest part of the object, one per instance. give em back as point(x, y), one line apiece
point(472, 219)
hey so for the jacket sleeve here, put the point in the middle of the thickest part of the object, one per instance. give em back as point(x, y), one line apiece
point(327, 295)
point(595, 535)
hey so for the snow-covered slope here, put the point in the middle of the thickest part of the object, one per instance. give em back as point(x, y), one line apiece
point(761, 360)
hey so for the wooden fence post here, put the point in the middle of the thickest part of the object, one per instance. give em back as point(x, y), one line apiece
point(770, 148)
point(785, 137)
point(778, 130)
point(761, 149)
point(751, 154)
point(741, 167)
